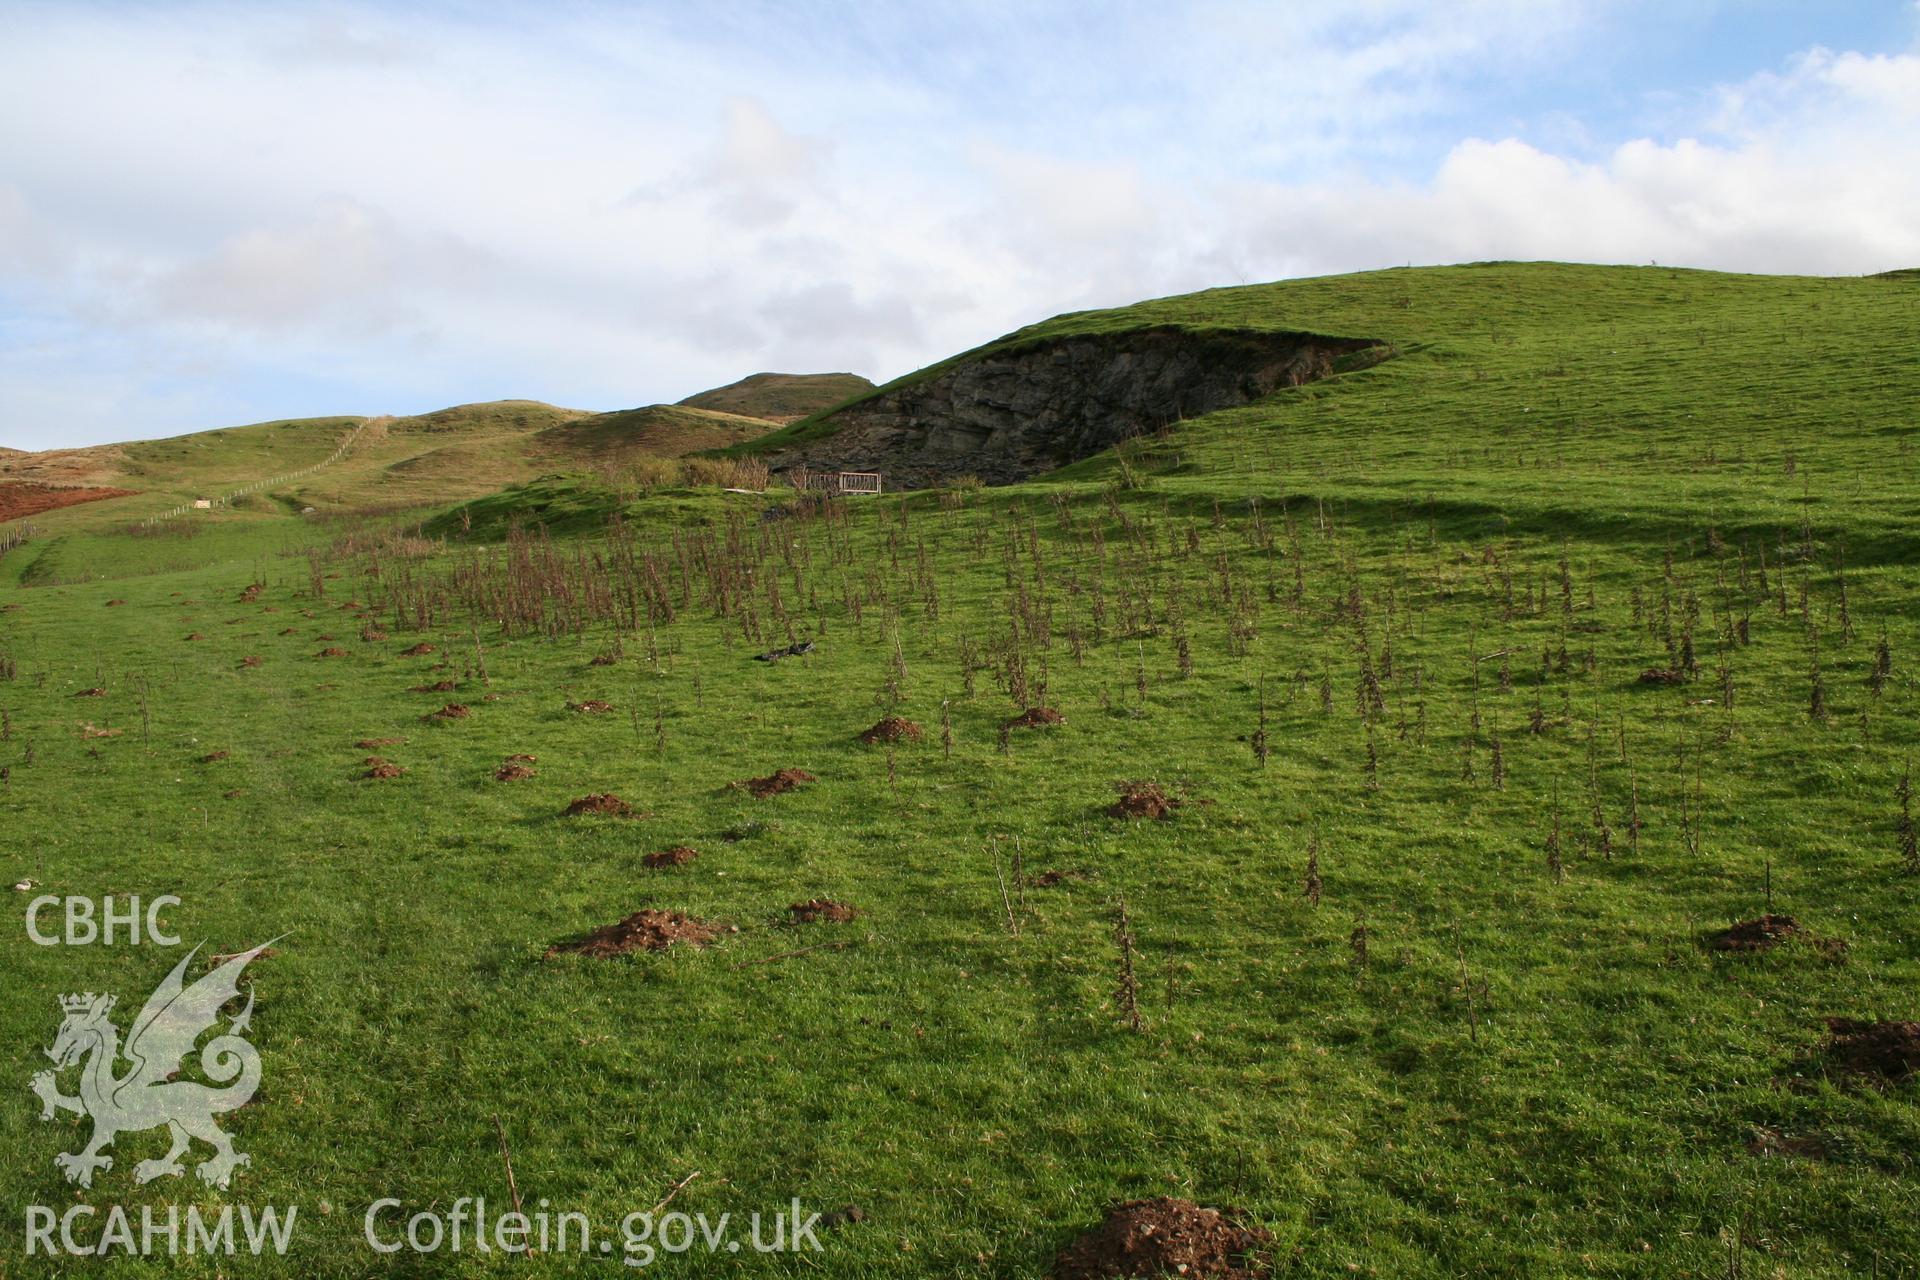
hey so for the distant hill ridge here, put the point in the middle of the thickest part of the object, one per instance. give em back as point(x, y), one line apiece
point(781, 397)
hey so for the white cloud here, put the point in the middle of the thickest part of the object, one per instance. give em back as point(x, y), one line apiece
point(607, 207)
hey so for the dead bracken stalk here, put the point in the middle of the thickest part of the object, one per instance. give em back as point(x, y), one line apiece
point(1006, 902)
point(506, 1158)
point(1127, 994)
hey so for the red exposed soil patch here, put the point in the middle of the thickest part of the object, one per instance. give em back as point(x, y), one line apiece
point(251, 660)
point(606, 803)
point(385, 769)
point(1165, 1237)
point(511, 772)
point(452, 711)
point(331, 653)
point(371, 744)
point(775, 783)
point(91, 693)
point(1890, 1050)
point(1762, 933)
point(591, 707)
point(441, 686)
point(642, 931)
point(821, 911)
point(213, 756)
point(892, 729)
point(1036, 717)
point(1142, 800)
point(28, 498)
point(678, 856)
point(420, 650)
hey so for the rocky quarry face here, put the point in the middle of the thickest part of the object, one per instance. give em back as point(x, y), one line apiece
point(1012, 414)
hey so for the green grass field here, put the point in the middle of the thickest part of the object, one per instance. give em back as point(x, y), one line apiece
point(1497, 1044)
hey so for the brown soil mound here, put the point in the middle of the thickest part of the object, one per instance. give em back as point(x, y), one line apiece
point(91, 693)
point(20, 498)
point(1887, 1049)
point(641, 931)
point(332, 653)
point(1165, 1237)
point(1142, 800)
point(371, 635)
point(606, 803)
point(251, 660)
point(193, 635)
point(1036, 717)
point(511, 772)
point(89, 731)
point(892, 729)
point(775, 783)
point(1662, 675)
point(821, 911)
point(385, 769)
point(251, 594)
point(591, 707)
point(522, 757)
point(1762, 933)
point(678, 856)
point(1050, 879)
point(287, 631)
point(439, 686)
point(420, 650)
point(374, 744)
point(214, 756)
point(324, 639)
point(115, 604)
point(602, 660)
point(452, 711)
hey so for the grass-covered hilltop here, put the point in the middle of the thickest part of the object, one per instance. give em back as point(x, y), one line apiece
point(1452, 806)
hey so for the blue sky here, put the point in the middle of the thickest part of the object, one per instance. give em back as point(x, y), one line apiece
point(220, 213)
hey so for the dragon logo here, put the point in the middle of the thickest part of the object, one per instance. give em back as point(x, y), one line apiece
point(146, 1096)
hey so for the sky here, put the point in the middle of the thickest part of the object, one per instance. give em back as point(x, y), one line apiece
point(222, 213)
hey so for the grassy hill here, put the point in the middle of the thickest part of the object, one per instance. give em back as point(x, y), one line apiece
point(781, 397)
point(659, 431)
point(273, 470)
point(1478, 692)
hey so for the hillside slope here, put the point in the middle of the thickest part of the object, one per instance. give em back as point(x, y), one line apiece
point(449, 455)
point(781, 397)
point(1510, 360)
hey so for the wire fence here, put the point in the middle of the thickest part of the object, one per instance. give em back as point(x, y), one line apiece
point(227, 499)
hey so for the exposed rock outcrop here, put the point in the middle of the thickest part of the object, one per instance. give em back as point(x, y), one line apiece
point(1013, 413)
